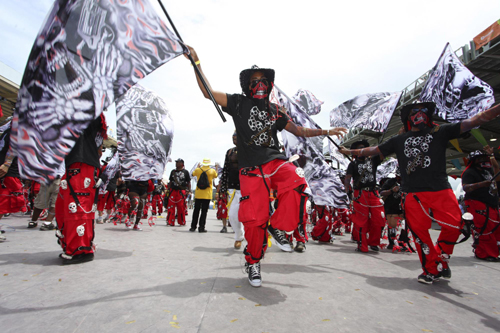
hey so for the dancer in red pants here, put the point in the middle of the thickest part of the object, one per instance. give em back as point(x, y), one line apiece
point(421, 154)
point(179, 183)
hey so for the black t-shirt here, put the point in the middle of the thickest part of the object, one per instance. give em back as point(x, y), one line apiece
point(422, 157)
point(487, 195)
point(86, 147)
point(179, 179)
point(256, 130)
point(364, 173)
point(159, 188)
point(392, 201)
point(4, 148)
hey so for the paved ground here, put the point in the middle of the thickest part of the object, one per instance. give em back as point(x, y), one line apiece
point(166, 279)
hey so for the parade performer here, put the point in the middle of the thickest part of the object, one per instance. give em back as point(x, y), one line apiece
point(179, 183)
point(481, 200)
point(77, 200)
point(262, 166)
point(368, 209)
point(421, 154)
point(391, 193)
point(11, 188)
point(158, 197)
point(230, 181)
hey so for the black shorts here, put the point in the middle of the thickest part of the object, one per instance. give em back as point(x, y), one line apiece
point(139, 187)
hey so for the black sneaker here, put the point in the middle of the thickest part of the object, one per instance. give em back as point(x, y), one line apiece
point(427, 278)
point(202, 230)
point(32, 224)
point(374, 248)
point(78, 259)
point(390, 247)
point(46, 227)
point(224, 230)
point(445, 273)
point(280, 239)
point(192, 229)
point(254, 274)
point(300, 247)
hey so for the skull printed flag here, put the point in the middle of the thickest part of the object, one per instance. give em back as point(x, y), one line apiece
point(387, 169)
point(370, 111)
point(111, 169)
point(325, 185)
point(87, 54)
point(145, 133)
point(457, 93)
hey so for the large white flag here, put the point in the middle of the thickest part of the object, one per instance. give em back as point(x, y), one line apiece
point(457, 93)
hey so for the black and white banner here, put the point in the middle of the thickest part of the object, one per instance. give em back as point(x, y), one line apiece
point(325, 185)
point(457, 93)
point(145, 131)
point(110, 171)
point(87, 54)
point(370, 111)
point(387, 169)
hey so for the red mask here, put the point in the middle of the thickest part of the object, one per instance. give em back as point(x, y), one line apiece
point(258, 89)
point(485, 165)
point(419, 120)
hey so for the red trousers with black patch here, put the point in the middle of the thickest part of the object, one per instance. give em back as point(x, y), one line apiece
point(254, 204)
point(157, 204)
point(485, 231)
point(76, 222)
point(368, 219)
point(322, 231)
point(444, 207)
point(176, 200)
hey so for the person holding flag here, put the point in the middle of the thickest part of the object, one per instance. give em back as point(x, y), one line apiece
point(421, 154)
point(262, 166)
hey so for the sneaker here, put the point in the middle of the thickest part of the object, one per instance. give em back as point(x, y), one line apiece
point(445, 273)
point(374, 248)
point(202, 230)
point(390, 247)
point(100, 221)
point(427, 278)
point(46, 227)
point(32, 224)
point(192, 229)
point(224, 230)
point(137, 227)
point(254, 274)
point(300, 247)
point(78, 259)
point(2, 238)
point(237, 245)
point(280, 240)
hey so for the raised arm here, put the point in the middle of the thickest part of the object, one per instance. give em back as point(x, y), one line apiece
point(220, 97)
point(311, 132)
point(480, 119)
point(370, 151)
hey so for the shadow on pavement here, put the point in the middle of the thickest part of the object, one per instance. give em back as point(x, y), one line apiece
point(264, 295)
point(52, 258)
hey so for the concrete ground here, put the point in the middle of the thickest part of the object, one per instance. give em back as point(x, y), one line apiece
point(167, 279)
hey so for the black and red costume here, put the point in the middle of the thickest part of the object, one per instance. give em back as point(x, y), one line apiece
point(178, 184)
point(11, 188)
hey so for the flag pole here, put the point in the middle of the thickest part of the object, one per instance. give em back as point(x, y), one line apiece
point(198, 73)
point(318, 127)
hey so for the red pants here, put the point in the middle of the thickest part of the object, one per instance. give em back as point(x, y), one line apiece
point(157, 204)
point(254, 204)
point(76, 223)
point(11, 195)
point(176, 200)
point(368, 218)
point(444, 207)
point(322, 231)
point(222, 208)
point(485, 231)
point(106, 201)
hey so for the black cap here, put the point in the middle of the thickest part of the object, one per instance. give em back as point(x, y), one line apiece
point(179, 160)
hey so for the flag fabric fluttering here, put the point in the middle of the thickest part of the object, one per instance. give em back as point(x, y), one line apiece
point(336, 155)
point(387, 169)
point(145, 131)
point(457, 93)
point(110, 171)
point(369, 111)
point(326, 186)
point(87, 54)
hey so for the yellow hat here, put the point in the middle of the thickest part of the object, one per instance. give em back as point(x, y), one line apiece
point(206, 162)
